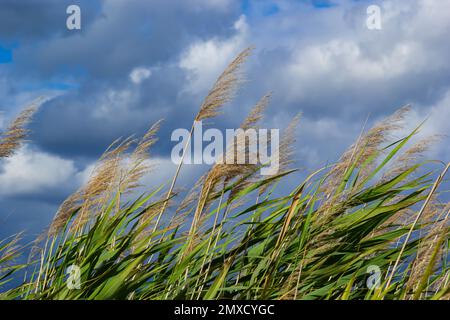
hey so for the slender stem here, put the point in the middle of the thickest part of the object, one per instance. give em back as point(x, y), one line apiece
point(41, 268)
point(225, 215)
point(216, 218)
point(174, 180)
point(198, 212)
point(248, 234)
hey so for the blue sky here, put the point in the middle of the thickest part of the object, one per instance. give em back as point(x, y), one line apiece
point(317, 57)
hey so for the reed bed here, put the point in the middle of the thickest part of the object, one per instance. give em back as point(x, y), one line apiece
point(379, 206)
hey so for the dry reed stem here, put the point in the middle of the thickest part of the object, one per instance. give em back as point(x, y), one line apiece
point(408, 236)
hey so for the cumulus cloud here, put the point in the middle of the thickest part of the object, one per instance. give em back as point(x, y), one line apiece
point(30, 171)
point(436, 124)
point(164, 169)
point(205, 60)
point(114, 103)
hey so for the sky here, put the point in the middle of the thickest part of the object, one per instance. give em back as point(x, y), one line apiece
point(134, 62)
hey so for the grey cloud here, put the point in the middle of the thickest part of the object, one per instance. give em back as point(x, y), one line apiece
point(32, 20)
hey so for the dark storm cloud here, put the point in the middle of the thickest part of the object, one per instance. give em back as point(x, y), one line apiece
point(30, 217)
point(98, 60)
point(123, 34)
point(34, 20)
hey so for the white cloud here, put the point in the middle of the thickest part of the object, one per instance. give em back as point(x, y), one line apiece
point(139, 74)
point(205, 60)
point(436, 123)
point(114, 103)
point(340, 64)
point(163, 170)
point(30, 171)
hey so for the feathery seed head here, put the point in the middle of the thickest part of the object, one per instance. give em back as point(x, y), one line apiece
point(224, 88)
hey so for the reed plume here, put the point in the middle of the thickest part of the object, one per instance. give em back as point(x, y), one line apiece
point(95, 192)
point(285, 151)
point(224, 89)
point(222, 173)
point(364, 151)
point(139, 164)
point(369, 144)
point(111, 174)
point(431, 245)
point(16, 132)
point(221, 93)
point(430, 195)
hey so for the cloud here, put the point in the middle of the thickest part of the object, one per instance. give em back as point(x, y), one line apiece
point(436, 124)
point(139, 74)
point(205, 60)
point(33, 20)
point(164, 169)
point(98, 66)
point(30, 171)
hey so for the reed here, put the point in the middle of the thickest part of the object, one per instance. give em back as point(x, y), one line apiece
point(381, 204)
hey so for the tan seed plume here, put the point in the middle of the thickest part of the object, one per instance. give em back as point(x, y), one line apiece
point(222, 173)
point(224, 88)
point(222, 92)
point(367, 145)
point(112, 174)
point(138, 165)
point(14, 135)
point(285, 151)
